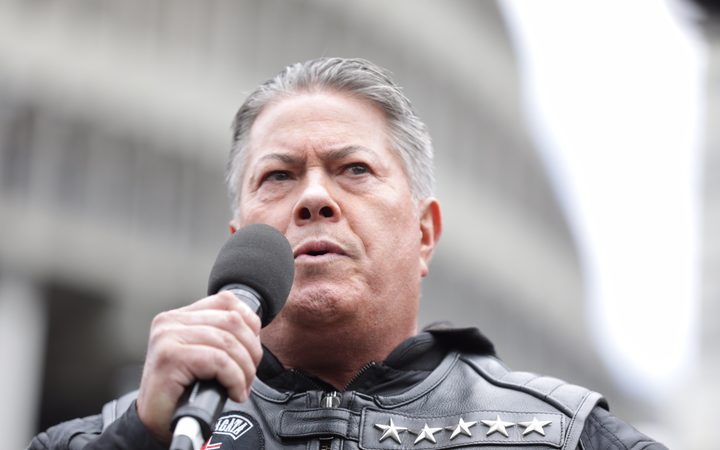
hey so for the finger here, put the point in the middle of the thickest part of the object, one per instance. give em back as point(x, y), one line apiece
point(208, 363)
point(222, 300)
point(232, 322)
point(244, 353)
point(226, 301)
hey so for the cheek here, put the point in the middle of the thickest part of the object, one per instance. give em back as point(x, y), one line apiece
point(394, 238)
point(277, 214)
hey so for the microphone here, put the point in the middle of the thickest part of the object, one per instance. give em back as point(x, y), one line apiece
point(257, 265)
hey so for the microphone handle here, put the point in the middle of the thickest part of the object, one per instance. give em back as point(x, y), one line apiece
point(200, 406)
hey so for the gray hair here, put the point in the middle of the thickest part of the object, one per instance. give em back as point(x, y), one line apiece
point(358, 77)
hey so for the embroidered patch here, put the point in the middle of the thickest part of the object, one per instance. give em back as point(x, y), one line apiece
point(236, 430)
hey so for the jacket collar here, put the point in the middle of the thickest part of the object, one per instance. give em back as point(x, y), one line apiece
point(411, 362)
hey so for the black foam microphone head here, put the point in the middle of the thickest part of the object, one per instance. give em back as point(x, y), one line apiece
point(260, 257)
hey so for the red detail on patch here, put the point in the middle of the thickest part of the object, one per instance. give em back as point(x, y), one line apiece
point(209, 445)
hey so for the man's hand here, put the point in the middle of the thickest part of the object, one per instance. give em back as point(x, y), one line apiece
point(214, 338)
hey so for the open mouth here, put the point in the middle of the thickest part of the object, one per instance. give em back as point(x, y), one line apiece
point(314, 249)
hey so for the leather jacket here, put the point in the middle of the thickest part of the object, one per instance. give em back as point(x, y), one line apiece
point(441, 389)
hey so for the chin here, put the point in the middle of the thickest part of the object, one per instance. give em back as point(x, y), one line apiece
point(320, 304)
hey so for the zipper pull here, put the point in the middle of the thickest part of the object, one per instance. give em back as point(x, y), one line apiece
point(330, 399)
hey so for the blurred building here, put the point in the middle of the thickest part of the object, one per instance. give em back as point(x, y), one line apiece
point(114, 131)
point(701, 392)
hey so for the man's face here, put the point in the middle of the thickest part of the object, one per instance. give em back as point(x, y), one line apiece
point(319, 169)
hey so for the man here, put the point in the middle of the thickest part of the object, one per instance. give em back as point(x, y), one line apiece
point(330, 153)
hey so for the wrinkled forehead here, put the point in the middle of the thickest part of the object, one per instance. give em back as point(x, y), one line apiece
point(245, 157)
point(317, 121)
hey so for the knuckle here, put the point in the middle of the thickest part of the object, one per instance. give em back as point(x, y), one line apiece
point(161, 334)
point(159, 319)
point(234, 319)
point(228, 341)
point(165, 356)
point(157, 334)
point(254, 322)
point(226, 299)
point(219, 359)
point(243, 358)
point(196, 363)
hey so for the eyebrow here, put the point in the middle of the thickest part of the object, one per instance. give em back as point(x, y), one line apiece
point(330, 155)
point(282, 157)
point(343, 152)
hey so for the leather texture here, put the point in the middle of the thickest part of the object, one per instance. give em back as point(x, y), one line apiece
point(468, 387)
point(426, 415)
point(455, 395)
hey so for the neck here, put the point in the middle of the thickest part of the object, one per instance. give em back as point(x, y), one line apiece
point(332, 353)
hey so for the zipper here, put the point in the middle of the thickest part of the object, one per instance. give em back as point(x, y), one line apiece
point(329, 400)
point(308, 378)
point(359, 373)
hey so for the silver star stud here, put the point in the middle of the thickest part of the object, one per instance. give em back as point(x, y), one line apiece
point(535, 425)
point(391, 431)
point(427, 433)
point(497, 425)
point(461, 428)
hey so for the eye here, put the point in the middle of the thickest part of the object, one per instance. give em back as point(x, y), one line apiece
point(357, 168)
point(276, 175)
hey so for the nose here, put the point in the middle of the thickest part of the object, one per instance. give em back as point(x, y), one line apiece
point(316, 203)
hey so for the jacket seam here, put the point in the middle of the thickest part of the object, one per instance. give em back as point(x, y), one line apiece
point(519, 387)
point(40, 441)
point(648, 443)
point(588, 441)
point(573, 420)
point(609, 433)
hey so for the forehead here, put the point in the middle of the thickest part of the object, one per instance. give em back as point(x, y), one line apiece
point(317, 121)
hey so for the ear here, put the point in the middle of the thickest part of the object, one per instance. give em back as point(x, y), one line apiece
point(430, 231)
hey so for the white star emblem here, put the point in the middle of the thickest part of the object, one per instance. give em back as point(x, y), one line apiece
point(390, 431)
point(535, 425)
point(427, 433)
point(497, 425)
point(461, 428)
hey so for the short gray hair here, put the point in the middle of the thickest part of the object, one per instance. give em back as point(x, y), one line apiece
point(358, 77)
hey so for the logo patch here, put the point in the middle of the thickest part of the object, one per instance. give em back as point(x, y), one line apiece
point(233, 425)
point(236, 430)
